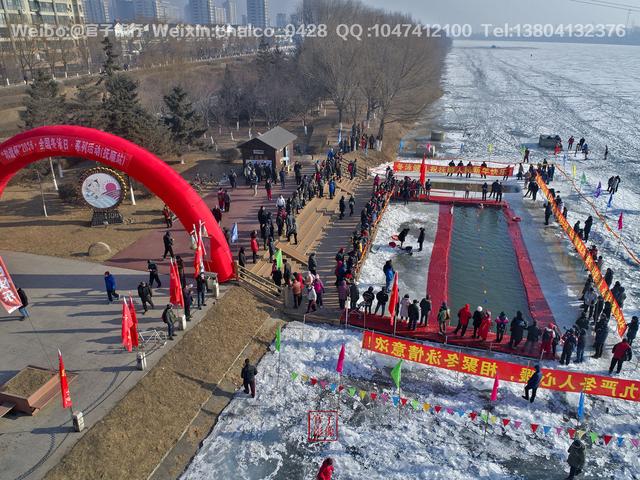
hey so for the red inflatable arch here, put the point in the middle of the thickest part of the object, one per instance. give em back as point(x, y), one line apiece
point(120, 154)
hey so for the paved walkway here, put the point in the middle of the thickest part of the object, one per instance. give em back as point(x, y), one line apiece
point(69, 311)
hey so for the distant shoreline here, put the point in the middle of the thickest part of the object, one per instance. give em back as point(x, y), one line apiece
point(632, 40)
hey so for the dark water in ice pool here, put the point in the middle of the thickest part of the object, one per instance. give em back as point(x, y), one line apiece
point(482, 264)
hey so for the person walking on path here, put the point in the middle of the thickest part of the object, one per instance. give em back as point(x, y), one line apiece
point(166, 213)
point(312, 264)
point(352, 205)
point(342, 207)
point(242, 257)
point(532, 385)
point(576, 459)
point(248, 375)
point(343, 294)
point(169, 318)
point(201, 289)
point(145, 294)
point(621, 353)
point(188, 300)
point(24, 303)
point(110, 285)
point(421, 239)
point(311, 298)
point(326, 470)
point(254, 246)
point(296, 291)
point(464, 314)
point(267, 187)
point(153, 274)
point(354, 296)
point(168, 245)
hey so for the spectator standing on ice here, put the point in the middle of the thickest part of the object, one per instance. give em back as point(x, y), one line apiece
point(368, 298)
point(548, 211)
point(477, 321)
point(248, 375)
point(414, 315)
point(533, 335)
point(485, 187)
point(532, 385)
point(389, 274)
point(621, 353)
point(326, 470)
point(602, 331)
point(343, 294)
point(420, 238)
point(576, 459)
point(501, 326)
point(404, 307)
point(444, 316)
point(570, 341)
point(382, 297)
point(354, 295)
point(425, 310)
point(587, 228)
point(580, 345)
point(464, 314)
point(518, 326)
point(632, 329)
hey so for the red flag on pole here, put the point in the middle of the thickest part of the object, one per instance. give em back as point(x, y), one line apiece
point(134, 323)
point(423, 170)
point(175, 289)
point(126, 325)
point(393, 301)
point(494, 392)
point(340, 364)
point(620, 221)
point(64, 384)
point(8, 294)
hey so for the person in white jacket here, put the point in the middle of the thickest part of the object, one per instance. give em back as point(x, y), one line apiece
point(404, 307)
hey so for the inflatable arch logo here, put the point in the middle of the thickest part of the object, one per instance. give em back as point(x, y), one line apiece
point(120, 154)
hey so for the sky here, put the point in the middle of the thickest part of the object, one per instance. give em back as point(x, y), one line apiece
point(476, 12)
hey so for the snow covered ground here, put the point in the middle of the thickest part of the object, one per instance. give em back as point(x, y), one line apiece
point(397, 217)
point(267, 437)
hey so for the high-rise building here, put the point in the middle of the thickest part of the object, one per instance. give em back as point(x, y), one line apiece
point(151, 10)
point(52, 12)
point(124, 11)
point(231, 11)
point(97, 11)
point(201, 12)
point(281, 20)
point(243, 19)
point(258, 13)
point(219, 16)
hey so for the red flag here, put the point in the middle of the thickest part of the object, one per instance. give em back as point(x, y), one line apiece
point(494, 392)
point(126, 325)
point(393, 301)
point(534, 427)
point(8, 294)
point(423, 170)
point(620, 221)
point(198, 259)
point(64, 384)
point(175, 289)
point(607, 439)
point(134, 323)
point(340, 364)
point(505, 421)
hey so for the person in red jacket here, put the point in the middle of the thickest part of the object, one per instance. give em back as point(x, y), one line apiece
point(254, 247)
point(621, 353)
point(464, 314)
point(326, 470)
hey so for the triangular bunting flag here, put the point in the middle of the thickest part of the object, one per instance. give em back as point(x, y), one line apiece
point(484, 417)
point(461, 412)
point(572, 432)
point(385, 397)
point(517, 424)
point(305, 378)
point(546, 429)
point(323, 384)
point(580, 433)
point(437, 408)
point(351, 391)
point(373, 395)
point(607, 439)
point(362, 394)
point(594, 437)
point(559, 430)
point(493, 419)
point(450, 411)
point(620, 441)
point(473, 416)
point(396, 400)
point(415, 404)
point(505, 421)
point(333, 387)
point(314, 381)
point(294, 375)
point(403, 401)
point(426, 407)
point(635, 442)
point(534, 427)
point(340, 388)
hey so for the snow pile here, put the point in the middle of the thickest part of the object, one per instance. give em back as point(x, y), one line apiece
point(267, 437)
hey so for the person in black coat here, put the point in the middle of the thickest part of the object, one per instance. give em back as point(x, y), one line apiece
point(548, 211)
point(201, 290)
point(425, 310)
point(145, 294)
point(24, 303)
point(242, 258)
point(533, 335)
point(587, 228)
point(368, 298)
point(632, 329)
point(312, 263)
point(248, 375)
point(153, 274)
point(382, 298)
point(168, 245)
point(421, 238)
point(342, 207)
point(477, 321)
point(532, 385)
point(517, 327)
point(168, 317)
point(570, 341)
point(602, 330)
point(608, 277)
point(188, 300)
point(414, 315)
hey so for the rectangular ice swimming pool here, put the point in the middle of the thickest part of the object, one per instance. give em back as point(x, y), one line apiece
point(483, 268)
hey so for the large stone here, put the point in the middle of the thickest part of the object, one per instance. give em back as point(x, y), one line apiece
point(99, 249)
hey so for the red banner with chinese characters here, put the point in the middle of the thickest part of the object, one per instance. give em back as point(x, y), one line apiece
point(562, 380)
point(409, 167)
point(8, 294)
point(581, 248)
